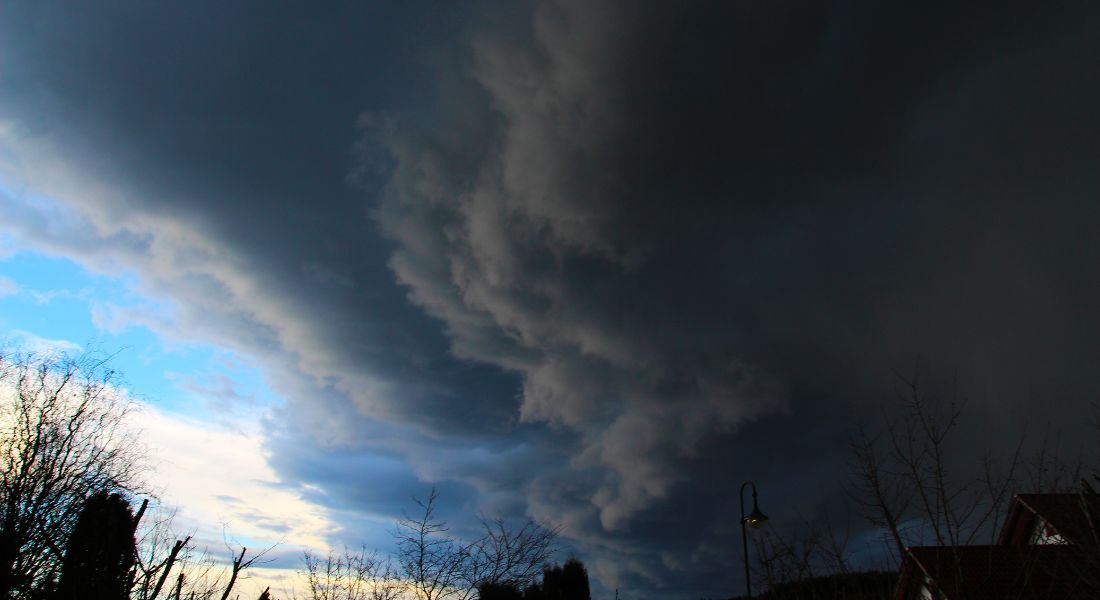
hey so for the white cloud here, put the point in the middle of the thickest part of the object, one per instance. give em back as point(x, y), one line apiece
point(219, 474)
point(37, 344)
point(8, 287)
point(216, 477)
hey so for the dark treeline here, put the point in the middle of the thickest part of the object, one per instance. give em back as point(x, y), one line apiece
point(865, 585)
point(566, 582)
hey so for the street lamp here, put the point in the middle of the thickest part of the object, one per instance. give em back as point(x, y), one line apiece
point(756, 520)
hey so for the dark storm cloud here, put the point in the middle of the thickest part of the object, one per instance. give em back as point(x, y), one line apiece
point(650, 251)
point(692, 229)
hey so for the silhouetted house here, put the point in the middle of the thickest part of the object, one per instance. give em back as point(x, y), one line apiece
point(1048, 548)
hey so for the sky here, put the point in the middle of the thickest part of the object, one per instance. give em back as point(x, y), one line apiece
point(591, 263)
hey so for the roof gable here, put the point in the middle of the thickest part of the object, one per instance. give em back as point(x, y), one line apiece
point(1073, 517)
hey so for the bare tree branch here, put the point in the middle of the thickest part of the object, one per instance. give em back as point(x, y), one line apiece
point(62, 439)
point(438, 566)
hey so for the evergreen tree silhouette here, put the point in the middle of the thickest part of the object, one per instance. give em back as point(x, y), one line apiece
point(567, 582)
point(101, 551)
point(574, 579)
point(552, 588)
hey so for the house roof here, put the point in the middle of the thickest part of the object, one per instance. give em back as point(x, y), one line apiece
point(1017, 567)
point(999, 572)
point(1064, 512)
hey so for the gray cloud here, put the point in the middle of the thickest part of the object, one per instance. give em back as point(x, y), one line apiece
point(602, 262)
point(674, 226)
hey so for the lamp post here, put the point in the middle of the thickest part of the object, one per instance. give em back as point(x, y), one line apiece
point(756, 520)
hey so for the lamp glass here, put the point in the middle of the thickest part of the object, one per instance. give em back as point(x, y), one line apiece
point(756, 519)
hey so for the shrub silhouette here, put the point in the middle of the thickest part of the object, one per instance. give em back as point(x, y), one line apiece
point(100, 553)
point(499, 591)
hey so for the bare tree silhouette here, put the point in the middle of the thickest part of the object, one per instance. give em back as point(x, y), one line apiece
point(438, 565)
point(62, 440)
